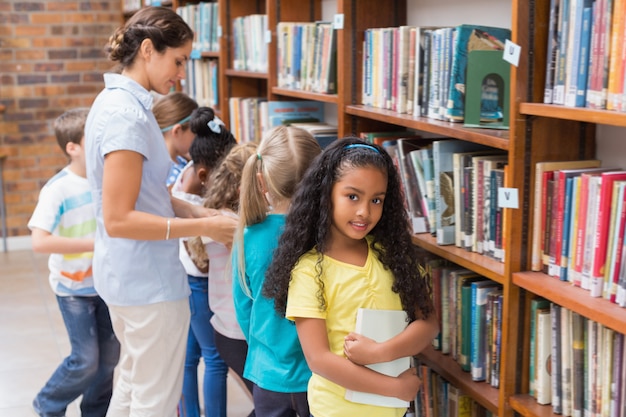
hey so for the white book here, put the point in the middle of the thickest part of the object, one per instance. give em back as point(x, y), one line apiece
point(544, 347)
point(381, 325)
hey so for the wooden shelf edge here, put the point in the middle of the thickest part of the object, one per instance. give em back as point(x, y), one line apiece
point(607, 117)
point(478, 263)
point(494, 138)
point(308, 95)
point(574, 298)
point(246, 74)
point(449, 369)
point(527, 406)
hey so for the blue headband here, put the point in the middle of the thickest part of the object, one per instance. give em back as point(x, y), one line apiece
point(170, 127)
point(362, 146)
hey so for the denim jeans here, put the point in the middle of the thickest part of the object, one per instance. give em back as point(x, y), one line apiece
point(88, 370)
point(201, 343)
point(279, 404)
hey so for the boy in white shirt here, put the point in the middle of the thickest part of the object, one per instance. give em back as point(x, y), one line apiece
point(63, 225)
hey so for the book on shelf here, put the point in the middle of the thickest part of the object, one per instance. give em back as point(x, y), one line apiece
point(615, 80)
point(598, 262)
point(465, 285)
point(323, 132)
point(567, 369)
point(558, 96)
point(296, 111)
point(481, 184)
point(479, 295)
point(536, 303)
point(538, 203)
point(578, 363)
point(461, 160)
point(552, 50)
point(543, 337)
point(466, 39)
point(578, 35)
point(556, 364)
point(459, 403)
point(617, 244)
point(560, 217)
point(443, 151)
point(381, 325)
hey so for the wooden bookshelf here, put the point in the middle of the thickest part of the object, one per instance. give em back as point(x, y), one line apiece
point(537, 132)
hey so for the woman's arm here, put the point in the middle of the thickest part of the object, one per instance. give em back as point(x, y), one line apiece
point(323, 362)
point(417, 335)
point(121, 183)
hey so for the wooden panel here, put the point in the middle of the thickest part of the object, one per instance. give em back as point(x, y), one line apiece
point(574, 298)
point(491, 137)
point(606, 117)
point(527, 406)
point(305, 95)
point(478, 263)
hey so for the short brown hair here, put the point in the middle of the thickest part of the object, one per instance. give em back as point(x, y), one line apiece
point(70, 127)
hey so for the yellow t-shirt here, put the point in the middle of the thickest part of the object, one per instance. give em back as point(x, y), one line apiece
point(346, 289)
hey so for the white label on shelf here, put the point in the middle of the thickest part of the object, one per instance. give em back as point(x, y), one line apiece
point(268, 36)
point(219, 31)
point(338, 21)
point(511, 52)
point(508, 198)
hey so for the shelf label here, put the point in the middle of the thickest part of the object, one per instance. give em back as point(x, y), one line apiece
point(508, 198)
point(511, 52)
point(219, 31)
point(268, 36)
point(338, 21)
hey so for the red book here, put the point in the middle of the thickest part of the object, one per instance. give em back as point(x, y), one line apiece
point(561, 177)
point(602, 230)
point(576, 273)
point(618, 251)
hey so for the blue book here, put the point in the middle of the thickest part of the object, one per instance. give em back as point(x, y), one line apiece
point(583, 66)
point(567, 214)
point(287, 112)
point(572, 58)
point(480, 291)
point(472, 38)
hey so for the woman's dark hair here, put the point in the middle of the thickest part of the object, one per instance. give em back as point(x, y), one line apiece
point(309, 220)
point(209, 147)
point(162, 25)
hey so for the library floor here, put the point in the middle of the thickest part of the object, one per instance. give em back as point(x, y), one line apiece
point(33, 340)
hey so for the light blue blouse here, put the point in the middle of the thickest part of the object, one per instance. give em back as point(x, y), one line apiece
point(130, 272)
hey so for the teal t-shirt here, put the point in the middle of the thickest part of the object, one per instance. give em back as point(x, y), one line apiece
point(275, 361)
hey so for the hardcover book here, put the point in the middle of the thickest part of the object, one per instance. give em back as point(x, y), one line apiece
point(444, 185)
point(381, 325)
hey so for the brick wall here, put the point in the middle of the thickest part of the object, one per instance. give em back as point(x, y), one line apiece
point(51, 59)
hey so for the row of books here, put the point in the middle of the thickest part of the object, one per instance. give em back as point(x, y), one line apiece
point(132, 5)
point(307, 56)
point(252, 117)
point(577, 365)
point(578, 226)
point(451, 187)
point(439, 398)
point(202, 81)
point(250, 43)
point(422, 70)
point(203, 18)
point(586, 55)
point(469, 307)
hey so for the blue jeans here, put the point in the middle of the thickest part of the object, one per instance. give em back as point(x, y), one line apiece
point(201, 343)
point(279, 404)
point(88, 370)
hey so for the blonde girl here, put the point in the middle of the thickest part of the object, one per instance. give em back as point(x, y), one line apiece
point(275, 363)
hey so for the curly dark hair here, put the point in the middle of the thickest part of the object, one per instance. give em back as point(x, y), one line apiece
point(309, 220)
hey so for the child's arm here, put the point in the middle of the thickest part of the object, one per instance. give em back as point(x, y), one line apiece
point(417, 335)
point(45, 242)
point(338, 369)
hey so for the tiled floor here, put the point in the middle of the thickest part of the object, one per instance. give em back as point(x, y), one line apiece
point(33, 340)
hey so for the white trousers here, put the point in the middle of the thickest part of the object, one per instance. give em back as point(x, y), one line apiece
point(153, 341)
